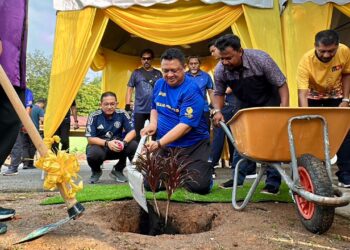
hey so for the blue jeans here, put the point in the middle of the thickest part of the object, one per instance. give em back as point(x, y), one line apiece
point(273, 178)
point(219, 138)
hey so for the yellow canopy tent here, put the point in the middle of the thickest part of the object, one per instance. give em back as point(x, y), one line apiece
point(80, 35)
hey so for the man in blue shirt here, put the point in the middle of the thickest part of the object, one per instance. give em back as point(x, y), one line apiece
point(143, 80)
point(204, 82)
point(104, 131)
point(177, 118)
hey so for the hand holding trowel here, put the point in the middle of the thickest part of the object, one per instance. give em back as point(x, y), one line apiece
point(65, 188)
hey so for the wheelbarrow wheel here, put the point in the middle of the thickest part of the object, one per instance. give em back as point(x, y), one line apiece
point(314, 178)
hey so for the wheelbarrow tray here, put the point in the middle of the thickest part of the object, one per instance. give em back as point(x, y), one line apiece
point(262, 133)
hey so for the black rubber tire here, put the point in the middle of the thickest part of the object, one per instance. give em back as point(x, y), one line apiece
point(323, 216)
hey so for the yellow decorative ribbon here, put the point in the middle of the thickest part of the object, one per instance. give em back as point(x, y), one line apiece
point(61, 169)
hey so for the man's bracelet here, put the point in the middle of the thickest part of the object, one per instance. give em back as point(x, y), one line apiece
point(345, 100)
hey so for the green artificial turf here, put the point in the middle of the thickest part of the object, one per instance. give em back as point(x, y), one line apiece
point(120, 192)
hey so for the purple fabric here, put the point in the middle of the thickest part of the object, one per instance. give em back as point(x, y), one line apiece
point(13, 34)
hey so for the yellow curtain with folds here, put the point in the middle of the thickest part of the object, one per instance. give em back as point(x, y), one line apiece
point(240, 29)
point(264, 26)
point(117, 72)
point(300, 23)
point(181, 23)
point(345, 9)
point(99, 61)
point(77, 37)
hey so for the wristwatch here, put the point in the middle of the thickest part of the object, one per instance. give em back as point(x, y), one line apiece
point(125, 144)
point(214, 111)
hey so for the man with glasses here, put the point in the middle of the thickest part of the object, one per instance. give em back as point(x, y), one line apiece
point(178, 121)
point(256, 81)
point(143, 80)
point(323, 79)
point(104, 131)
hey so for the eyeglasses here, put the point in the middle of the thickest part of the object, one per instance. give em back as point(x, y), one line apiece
point(173, 71)
point(147, 58)
point(112, 104)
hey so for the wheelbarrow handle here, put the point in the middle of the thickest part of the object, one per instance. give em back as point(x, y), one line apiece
point(227, 132)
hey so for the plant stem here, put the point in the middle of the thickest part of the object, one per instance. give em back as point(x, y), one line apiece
point(166, 212)
point(155, 203)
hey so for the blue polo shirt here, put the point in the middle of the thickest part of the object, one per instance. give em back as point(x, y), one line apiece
point(180, 104)
point(204, 82)
point(28, 98)
point(98, 125)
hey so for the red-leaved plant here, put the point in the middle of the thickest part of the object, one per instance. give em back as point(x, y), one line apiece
point(151, 167)
point(170, 168)
point(175, 174)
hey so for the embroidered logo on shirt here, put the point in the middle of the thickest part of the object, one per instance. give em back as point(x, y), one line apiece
point(100, 126)
point(189, 112)
point(117, 124)
point(162, 93)
point(336, 68)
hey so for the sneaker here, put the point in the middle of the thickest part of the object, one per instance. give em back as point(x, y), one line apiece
point(229, 184)
point(271, 190)
point(3, 228)
point(341, 184)
point(6, 213)
point(95, 176)
point(118, 176)
point(11, 171)
point(28, 167)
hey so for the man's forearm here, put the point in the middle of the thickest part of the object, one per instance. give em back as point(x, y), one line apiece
point(154, 117)
point(346, 86)
point(219, 101)
point(174, 134)
point(128, 95)
point(96, 141)
point(130, 136)
point(284, 95)
point(302, 94)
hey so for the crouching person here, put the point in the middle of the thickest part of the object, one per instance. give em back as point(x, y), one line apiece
point(178, 120)
point(104, 131)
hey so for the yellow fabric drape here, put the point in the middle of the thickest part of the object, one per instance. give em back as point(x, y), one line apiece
point(99, 61)
point(78, 35)
point(345, 9)
point(183, 23)
point(300, 23)
point(265, 30)
point(117, 73)
point(240, 29)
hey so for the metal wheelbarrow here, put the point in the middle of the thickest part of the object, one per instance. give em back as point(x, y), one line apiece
point(305, 138)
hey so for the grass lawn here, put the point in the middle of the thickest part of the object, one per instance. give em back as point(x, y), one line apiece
point(77, 144)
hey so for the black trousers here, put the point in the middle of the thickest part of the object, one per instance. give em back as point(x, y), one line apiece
point(63, 133)
point(343, 153)
point(198, 154)
point(139, 122)
point(96, 155)
point(9, 124)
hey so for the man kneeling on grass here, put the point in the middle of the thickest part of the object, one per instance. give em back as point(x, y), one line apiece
point(178, 119)
point(104, 132)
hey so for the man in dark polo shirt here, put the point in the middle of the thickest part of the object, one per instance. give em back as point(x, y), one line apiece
point(104, 131)
point(143, 80)
point(256, 81)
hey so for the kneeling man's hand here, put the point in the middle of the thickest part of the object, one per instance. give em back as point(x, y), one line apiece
point(116, 145)
point(149, 130)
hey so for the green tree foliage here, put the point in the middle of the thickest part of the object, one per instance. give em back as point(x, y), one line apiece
point(88, 97)
point(38, 79)
point(38, 73)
